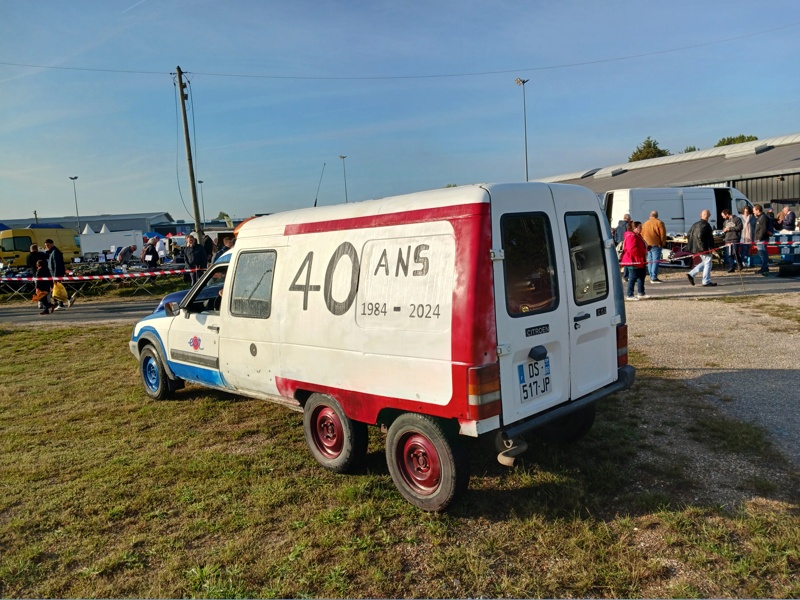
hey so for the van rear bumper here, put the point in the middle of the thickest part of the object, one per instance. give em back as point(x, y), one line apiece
point(625, 378)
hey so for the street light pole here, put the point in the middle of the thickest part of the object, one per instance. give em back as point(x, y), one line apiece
point(522, 83)
point(344, 170)
point(203, 200)
point(75, 193)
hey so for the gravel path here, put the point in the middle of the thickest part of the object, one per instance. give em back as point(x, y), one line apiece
point(739, 341)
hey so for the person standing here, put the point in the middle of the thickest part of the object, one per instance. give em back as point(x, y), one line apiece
point(44, 285)
point(622, 227)
point(761, 238)
point(701, 241)
point(150, 257)
point(634, 257)
point(786, 220)
point(208, 245)
point(161, 250)
point(150, 254)
point(655, 236)
point(55, 262)
point(34, 257)
point(732, 227)
point(748, 235)
point(195, 257)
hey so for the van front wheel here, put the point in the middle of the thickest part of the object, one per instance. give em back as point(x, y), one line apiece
point(154, 376)
point(428, 468)
point(336, 441)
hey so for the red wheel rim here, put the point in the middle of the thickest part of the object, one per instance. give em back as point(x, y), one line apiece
point(419, 463)
point(328, 436)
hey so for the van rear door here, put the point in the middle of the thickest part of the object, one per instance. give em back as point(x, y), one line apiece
point(587, 292)
point(530, 305)
point(555, 309)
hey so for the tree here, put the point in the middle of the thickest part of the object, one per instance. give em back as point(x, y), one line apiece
point(690, 149)
point(739, 139)
point(222, 216)
point(648, 149)
point(449, 185)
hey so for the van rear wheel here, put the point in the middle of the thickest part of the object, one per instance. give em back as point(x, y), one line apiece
point(428, 468)
point(336, 442)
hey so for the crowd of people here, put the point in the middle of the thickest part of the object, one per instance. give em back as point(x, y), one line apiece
point(46, 265)
point(50, 264)
point(640, 245)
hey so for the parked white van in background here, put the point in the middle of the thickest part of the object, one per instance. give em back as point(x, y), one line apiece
point(678, 207)
point(439, 316)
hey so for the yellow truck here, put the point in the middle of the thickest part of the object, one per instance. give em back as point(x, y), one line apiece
point(15, 244)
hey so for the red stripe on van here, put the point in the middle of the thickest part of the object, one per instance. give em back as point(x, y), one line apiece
point(441, 213)
point(365, 408)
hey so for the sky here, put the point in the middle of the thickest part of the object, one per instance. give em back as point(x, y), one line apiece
point(417, 95)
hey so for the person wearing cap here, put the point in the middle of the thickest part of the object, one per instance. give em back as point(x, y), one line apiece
point(126, 254)
point(150, 256)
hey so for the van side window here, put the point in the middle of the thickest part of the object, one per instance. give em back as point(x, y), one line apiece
point(251, 295)
point(531, 284)
point(587, 257)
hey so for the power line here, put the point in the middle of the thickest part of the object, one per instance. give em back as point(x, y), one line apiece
point(434, 76)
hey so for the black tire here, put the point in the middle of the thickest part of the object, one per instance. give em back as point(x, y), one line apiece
point(154, 377)
point(428, 468)
point(570, 428)
point(336, 442)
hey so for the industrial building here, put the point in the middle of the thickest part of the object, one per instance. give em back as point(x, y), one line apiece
point(766, 171)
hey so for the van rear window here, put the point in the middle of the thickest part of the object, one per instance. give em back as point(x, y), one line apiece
point(587, 257)
point(529, 264)
point(251, 295)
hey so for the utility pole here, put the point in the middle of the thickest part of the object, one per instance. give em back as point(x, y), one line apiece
point(195, 204)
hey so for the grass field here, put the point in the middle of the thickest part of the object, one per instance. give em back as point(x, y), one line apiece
point(108, 494)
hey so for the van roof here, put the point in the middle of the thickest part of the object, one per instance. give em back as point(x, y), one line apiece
point(276, 223)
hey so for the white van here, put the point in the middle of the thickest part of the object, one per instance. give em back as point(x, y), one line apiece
point(468, 311)
point(678, 207)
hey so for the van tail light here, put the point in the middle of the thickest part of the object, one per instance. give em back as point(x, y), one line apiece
point(483, 387)
point(622, 345)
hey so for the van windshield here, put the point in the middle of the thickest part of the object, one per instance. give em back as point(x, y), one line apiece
point(531, 284)
point(17, 243)
point(587, 258)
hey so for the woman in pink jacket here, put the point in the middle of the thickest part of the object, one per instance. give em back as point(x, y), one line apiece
point(634, 258)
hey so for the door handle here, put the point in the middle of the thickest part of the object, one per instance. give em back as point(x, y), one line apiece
point(537, 353)
point(214, 328)
point(582, 317)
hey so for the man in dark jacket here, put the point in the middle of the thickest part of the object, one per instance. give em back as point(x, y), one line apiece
point(35, 256)
point(195, 257)
point(55, 262)
point(701, 241)
point(761, 237)
point(732, 226)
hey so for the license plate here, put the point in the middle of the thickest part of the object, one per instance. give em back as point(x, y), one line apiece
point(534, 378)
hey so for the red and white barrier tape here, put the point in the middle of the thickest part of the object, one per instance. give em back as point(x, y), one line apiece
point(96, 277)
